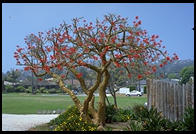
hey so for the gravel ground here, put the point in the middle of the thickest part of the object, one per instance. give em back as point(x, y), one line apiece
point(14, 122)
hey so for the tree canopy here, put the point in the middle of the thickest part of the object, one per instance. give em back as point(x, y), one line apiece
point(95, 46)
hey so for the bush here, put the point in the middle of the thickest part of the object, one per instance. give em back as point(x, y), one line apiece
point(145, 90)
point(117, 115)
point(152, 120)
point(188, 122)
point(110, 112)
point(9, 88)
point(70, 120)
point(52, 90)
point(20, 89)
point(41, 89)
point(131, 88)
point(28, 90)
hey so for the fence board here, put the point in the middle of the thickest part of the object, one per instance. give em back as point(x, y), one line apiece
point(170, 98)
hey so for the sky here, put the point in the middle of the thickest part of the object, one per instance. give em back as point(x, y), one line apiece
point(173, 22)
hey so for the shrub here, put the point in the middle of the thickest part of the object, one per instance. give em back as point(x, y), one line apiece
point(20, 89)
point(131, 88)
point(110, 112)
point(9, 88)
point(70, 120)
point(152, 120)
point(52, 90)
point(117, 115)
point(42, 89)
point(145, 90)
point(28, 90)
point(188, 122)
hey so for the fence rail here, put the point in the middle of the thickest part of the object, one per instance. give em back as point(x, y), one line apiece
point(170, 98)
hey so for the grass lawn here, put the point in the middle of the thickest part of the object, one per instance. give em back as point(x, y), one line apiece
point(21, 103)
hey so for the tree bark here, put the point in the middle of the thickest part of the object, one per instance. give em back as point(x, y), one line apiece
point(101, 106)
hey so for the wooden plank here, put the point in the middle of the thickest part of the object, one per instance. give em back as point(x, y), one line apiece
point(175, 102)
point(180, 106)
point(149, 85)
point(172, 101)
point(183, 100)
point(165, 99)
point(192, 94)
point(162, 97)
point(175, 96)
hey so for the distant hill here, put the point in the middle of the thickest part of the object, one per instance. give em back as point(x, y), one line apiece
point(177, 66)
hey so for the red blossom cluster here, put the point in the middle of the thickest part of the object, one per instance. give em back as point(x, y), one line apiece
point(72, 46)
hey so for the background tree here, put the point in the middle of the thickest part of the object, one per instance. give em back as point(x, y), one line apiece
point(186, 73)
point(172, 76)
point(12, 76)
point(111, 41)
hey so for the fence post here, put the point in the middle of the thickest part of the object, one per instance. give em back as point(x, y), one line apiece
point(148, 82)
point(192, 95)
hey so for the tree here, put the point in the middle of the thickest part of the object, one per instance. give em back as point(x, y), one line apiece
point(111, 41)
point(12, 76)
point(117, 80)
point(186, 73)
point(172, 76)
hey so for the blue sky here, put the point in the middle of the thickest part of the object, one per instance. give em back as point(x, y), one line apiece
point(172, 22)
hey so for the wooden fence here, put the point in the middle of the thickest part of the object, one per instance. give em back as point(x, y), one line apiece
point(170, 98)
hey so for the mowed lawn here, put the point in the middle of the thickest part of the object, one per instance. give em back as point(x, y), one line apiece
point(21, 103)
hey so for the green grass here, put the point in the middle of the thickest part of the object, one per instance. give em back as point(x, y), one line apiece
point(21, 103)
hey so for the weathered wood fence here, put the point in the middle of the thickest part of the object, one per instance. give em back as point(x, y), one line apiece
point(170, 98)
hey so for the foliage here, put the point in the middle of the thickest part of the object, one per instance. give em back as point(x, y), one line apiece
point(145, 90)
point(110, 112)
point(12, 75)
point(28, 90)
point(117, 115)
point(172, 76)
point(70, 120)
point(131, 88)
point(186, 73)
point(20, 89)
point(152, 120)
point(52, 90)
point(42, 89)
point(9, 88)
point(188, 122)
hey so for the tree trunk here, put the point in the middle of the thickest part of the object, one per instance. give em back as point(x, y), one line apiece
point(101, 105)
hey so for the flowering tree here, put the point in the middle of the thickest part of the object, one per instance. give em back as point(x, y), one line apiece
point(111, 41)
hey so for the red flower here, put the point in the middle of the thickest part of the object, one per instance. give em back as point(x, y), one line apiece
point(129, 75)
point(168, 58)
point(59, 67)
point(112, 23)
point(26, 68)
point(117, 64)
point(79, 75)
point(94, 57)
point(62, 76)
point(154, 68)
point(72, 49)
point(19, 50)
point(46, 68)
point(161, 65)
point(139, 76)
point(136, 17)
point(39, 79)
point(145, 63)
point(139, 22)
